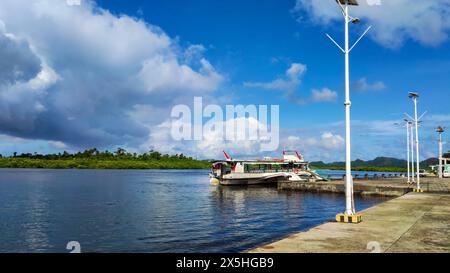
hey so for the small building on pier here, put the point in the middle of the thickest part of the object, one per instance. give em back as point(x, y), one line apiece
point(445, 167)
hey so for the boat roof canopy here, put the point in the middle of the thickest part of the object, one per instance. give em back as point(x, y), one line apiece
point(289, 157)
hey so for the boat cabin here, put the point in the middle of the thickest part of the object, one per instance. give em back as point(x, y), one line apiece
point(292, 161)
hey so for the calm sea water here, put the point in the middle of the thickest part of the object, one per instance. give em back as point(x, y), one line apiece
point(149, 211)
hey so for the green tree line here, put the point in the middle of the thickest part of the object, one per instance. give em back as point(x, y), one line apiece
point(95, 159)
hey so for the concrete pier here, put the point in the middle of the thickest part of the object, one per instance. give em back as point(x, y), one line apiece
point(415, 222)
point(392, 187)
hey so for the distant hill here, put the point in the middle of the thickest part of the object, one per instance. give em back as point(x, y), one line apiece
point(429, 162)
point(377, 162)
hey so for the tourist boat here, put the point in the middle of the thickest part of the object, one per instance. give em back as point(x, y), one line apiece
point(292, 167)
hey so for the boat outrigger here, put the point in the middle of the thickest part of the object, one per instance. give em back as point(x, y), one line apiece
point(292, 167)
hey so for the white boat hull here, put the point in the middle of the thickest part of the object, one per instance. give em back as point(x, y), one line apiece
point(257, 178)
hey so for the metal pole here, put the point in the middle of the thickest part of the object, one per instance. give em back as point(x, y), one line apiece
point(411, 127)
point(349, 201)
point(417, 143)
point(440, 155)
point(349, 204)
point(407, 148)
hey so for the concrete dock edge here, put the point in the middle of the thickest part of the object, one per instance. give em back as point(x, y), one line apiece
point(415, 222)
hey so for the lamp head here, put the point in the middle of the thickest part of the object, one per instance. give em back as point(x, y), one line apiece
point(413, 95)
point(440, 129)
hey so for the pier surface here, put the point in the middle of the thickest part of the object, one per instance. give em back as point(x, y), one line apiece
point(392, 187)
point(415, 222)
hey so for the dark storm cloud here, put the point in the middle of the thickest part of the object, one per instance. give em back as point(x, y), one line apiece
point(90, 75)
point(17, 62)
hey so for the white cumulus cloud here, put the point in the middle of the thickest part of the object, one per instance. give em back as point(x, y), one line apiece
point(394, 21)
point(290, 81)
point(362, 85)
point(324, 95)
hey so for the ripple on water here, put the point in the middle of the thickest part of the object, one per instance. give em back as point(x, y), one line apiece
point(150, 211)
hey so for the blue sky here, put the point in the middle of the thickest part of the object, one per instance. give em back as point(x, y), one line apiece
point(247, 45)
point(251, 42)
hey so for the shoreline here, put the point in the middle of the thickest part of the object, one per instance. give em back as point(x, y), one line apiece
point(118, 164)
point(82, 164)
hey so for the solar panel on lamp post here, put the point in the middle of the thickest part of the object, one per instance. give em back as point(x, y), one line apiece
point(350, 2)
point(347, 216)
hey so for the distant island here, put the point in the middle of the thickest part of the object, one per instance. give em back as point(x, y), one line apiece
point(95, 159)
point(379, 164)
point(121, 159)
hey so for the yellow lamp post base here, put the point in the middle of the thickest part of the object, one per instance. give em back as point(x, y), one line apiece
point(354, 219)
point(417, 190)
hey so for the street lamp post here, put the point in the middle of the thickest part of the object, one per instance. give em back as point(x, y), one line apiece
point(411, 141)
point(349, 214)
point(408, 126)
point(407, 149)
point(414, 97)
point(440, 130)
